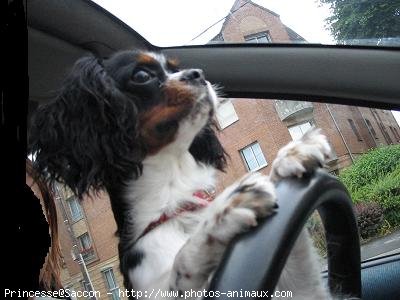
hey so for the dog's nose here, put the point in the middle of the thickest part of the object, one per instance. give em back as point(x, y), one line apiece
point(193, 76)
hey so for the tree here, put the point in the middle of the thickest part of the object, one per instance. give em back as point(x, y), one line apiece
point(364, 19)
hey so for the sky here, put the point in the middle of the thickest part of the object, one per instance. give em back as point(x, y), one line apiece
point(396, 115)
point(177, 22)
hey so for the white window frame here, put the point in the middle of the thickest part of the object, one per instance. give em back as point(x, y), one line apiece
point(300, 126)
point(245, 160)
point(113, 286)
point(226, 114)
point(72, 201)
point(254, 38)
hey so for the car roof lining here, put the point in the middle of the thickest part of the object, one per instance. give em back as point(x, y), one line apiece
point(367, 77)
point(314, 73)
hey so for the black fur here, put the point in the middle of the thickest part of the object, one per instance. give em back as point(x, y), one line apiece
point(88, 137)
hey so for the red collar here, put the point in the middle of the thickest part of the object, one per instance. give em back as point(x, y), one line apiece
point(204, 198)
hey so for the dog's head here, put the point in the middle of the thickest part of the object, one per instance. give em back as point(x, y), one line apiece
point(111, 114)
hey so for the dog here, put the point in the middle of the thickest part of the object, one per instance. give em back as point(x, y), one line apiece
point(140, 128)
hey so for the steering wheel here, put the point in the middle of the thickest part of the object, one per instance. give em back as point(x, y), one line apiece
point(255, 260)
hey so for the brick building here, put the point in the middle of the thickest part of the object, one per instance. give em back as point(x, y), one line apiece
point(88, 228)
point(252, 131)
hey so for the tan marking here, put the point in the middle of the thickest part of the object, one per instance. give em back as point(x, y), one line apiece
point(146, 59)
point(178, 93)
point(173, 63)
point(156, 116)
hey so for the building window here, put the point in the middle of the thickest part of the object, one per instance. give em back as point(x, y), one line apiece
point(75, 209)
point(260, 37)
point(113, 289)
point(85, 285)
point(371, 129)
point(87, 250)
point(355, 130)
point(226, 114)
point(297, 131)
point(395, 133)
point(70, 287)
point(253, 157)
point(387, 136)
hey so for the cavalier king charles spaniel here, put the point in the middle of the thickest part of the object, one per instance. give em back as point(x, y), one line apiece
point(141, 129)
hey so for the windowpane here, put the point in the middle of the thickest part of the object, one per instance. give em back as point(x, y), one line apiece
point(295, 132)
point(110, 279)
point(252, 163)
point(85, 241)
point(254, 157)
point(355, 130)
point(371, 128)
point(261, 159)
point(305, 127)
point(226, 114)
point(111, 284)
point(256, 149)
point(258, 154)
point(298, 131)
point(261, 37)
point(75, 208)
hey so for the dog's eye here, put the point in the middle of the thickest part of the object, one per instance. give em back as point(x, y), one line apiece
point(141, 76)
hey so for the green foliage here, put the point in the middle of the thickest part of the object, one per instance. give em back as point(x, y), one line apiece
point(375, 176)
point(369, 218)
point(371, 167)
point(363, 19)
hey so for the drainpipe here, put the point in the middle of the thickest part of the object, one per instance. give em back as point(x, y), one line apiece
point(340, 132)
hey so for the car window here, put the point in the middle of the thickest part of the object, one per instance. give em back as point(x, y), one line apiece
point(362, 22)
point(365, 157)
point(365, 141)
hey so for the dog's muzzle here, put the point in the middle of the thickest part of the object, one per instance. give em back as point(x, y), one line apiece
point(193, 76)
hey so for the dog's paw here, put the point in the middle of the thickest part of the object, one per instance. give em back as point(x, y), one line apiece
point(256, 193)
point(302, 156)
point(253, 197)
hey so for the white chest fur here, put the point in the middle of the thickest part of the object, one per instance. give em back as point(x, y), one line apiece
point(167, 182)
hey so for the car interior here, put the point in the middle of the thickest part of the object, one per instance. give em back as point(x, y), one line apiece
point(60, 32)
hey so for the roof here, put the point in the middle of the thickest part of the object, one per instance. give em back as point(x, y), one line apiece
point(241, 3)
point(293, 35)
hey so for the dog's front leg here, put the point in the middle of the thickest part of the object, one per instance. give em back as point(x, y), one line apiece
point(301, 274)
point(233, 212)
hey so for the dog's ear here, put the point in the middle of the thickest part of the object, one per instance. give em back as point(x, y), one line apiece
point(87, 138)
point(207, 149)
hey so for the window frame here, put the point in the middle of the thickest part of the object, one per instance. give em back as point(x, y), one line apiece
point(371, 129)
point(88, 253)
point(111, 290)
point(250, 146)
point(75, 218)
point(221, 124)
point(395, 133)
point(355, 130)
point(256, 36)
point(311, 122)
